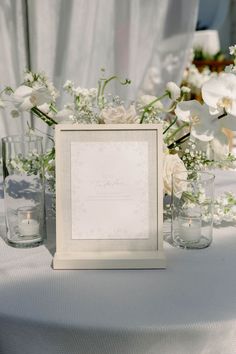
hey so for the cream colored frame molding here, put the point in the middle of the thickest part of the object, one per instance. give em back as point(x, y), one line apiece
point(105, 253)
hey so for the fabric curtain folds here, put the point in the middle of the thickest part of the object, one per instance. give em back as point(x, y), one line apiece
point(13, 57)
point(146, 41)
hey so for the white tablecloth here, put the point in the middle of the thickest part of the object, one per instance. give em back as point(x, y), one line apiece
point(188, 308)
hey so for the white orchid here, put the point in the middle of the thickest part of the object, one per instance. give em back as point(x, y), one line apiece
point(215, 150)
point(219, 94)
point(206, 128)
point(203, 125)
point(218, 148)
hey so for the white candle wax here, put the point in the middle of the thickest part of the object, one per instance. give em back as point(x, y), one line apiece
point(190, 229)
point(28, 227)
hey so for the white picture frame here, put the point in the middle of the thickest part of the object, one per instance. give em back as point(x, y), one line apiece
point(109, 196)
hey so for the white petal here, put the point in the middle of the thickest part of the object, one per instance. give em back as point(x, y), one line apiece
point(214, 111)
point(218, 87)
point(229, 122)
point(200, 133)
point(42, 96)
point(26, 105)
point(212, 92)
point(23, 91)
point(207, 126)
point(232, 109)
point(220, 147)
point(184, 110)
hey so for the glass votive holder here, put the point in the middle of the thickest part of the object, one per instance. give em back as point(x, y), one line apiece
point(23, 182)
point(192, 208)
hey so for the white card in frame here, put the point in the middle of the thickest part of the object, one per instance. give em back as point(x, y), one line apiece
point(109, 197)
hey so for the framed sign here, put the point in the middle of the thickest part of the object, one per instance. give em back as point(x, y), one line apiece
point(109, 196)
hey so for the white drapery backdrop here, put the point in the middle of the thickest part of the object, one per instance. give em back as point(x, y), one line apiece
point(146, 41)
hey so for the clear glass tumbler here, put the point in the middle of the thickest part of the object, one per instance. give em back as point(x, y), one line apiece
point(23, 190)
point(192, 208)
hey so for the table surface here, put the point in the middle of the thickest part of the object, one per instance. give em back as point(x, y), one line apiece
point(188, 307)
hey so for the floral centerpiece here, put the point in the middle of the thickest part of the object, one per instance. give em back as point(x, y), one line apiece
point(193, 132)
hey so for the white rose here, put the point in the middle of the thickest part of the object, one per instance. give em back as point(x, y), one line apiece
point(119, 115)
point(173, 164)
point(173, 90)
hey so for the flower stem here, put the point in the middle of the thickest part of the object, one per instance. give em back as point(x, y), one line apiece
point(101, 88)
point(223, 115)
point(48, 120)
point(171, 124)
point(179, 141)
point(146, 108)
point(53, 108)
point(127, 81)
point(178, 130)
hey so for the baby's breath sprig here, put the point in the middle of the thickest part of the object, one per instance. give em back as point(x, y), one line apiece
point(148, 107)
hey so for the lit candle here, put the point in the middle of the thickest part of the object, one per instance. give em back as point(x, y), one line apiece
point(190, 229)
point(28, 226)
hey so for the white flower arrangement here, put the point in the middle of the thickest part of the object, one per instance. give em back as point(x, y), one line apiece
point(193, 132)
point(194, 79)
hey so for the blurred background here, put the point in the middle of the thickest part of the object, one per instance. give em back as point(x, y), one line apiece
point(150, 42)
